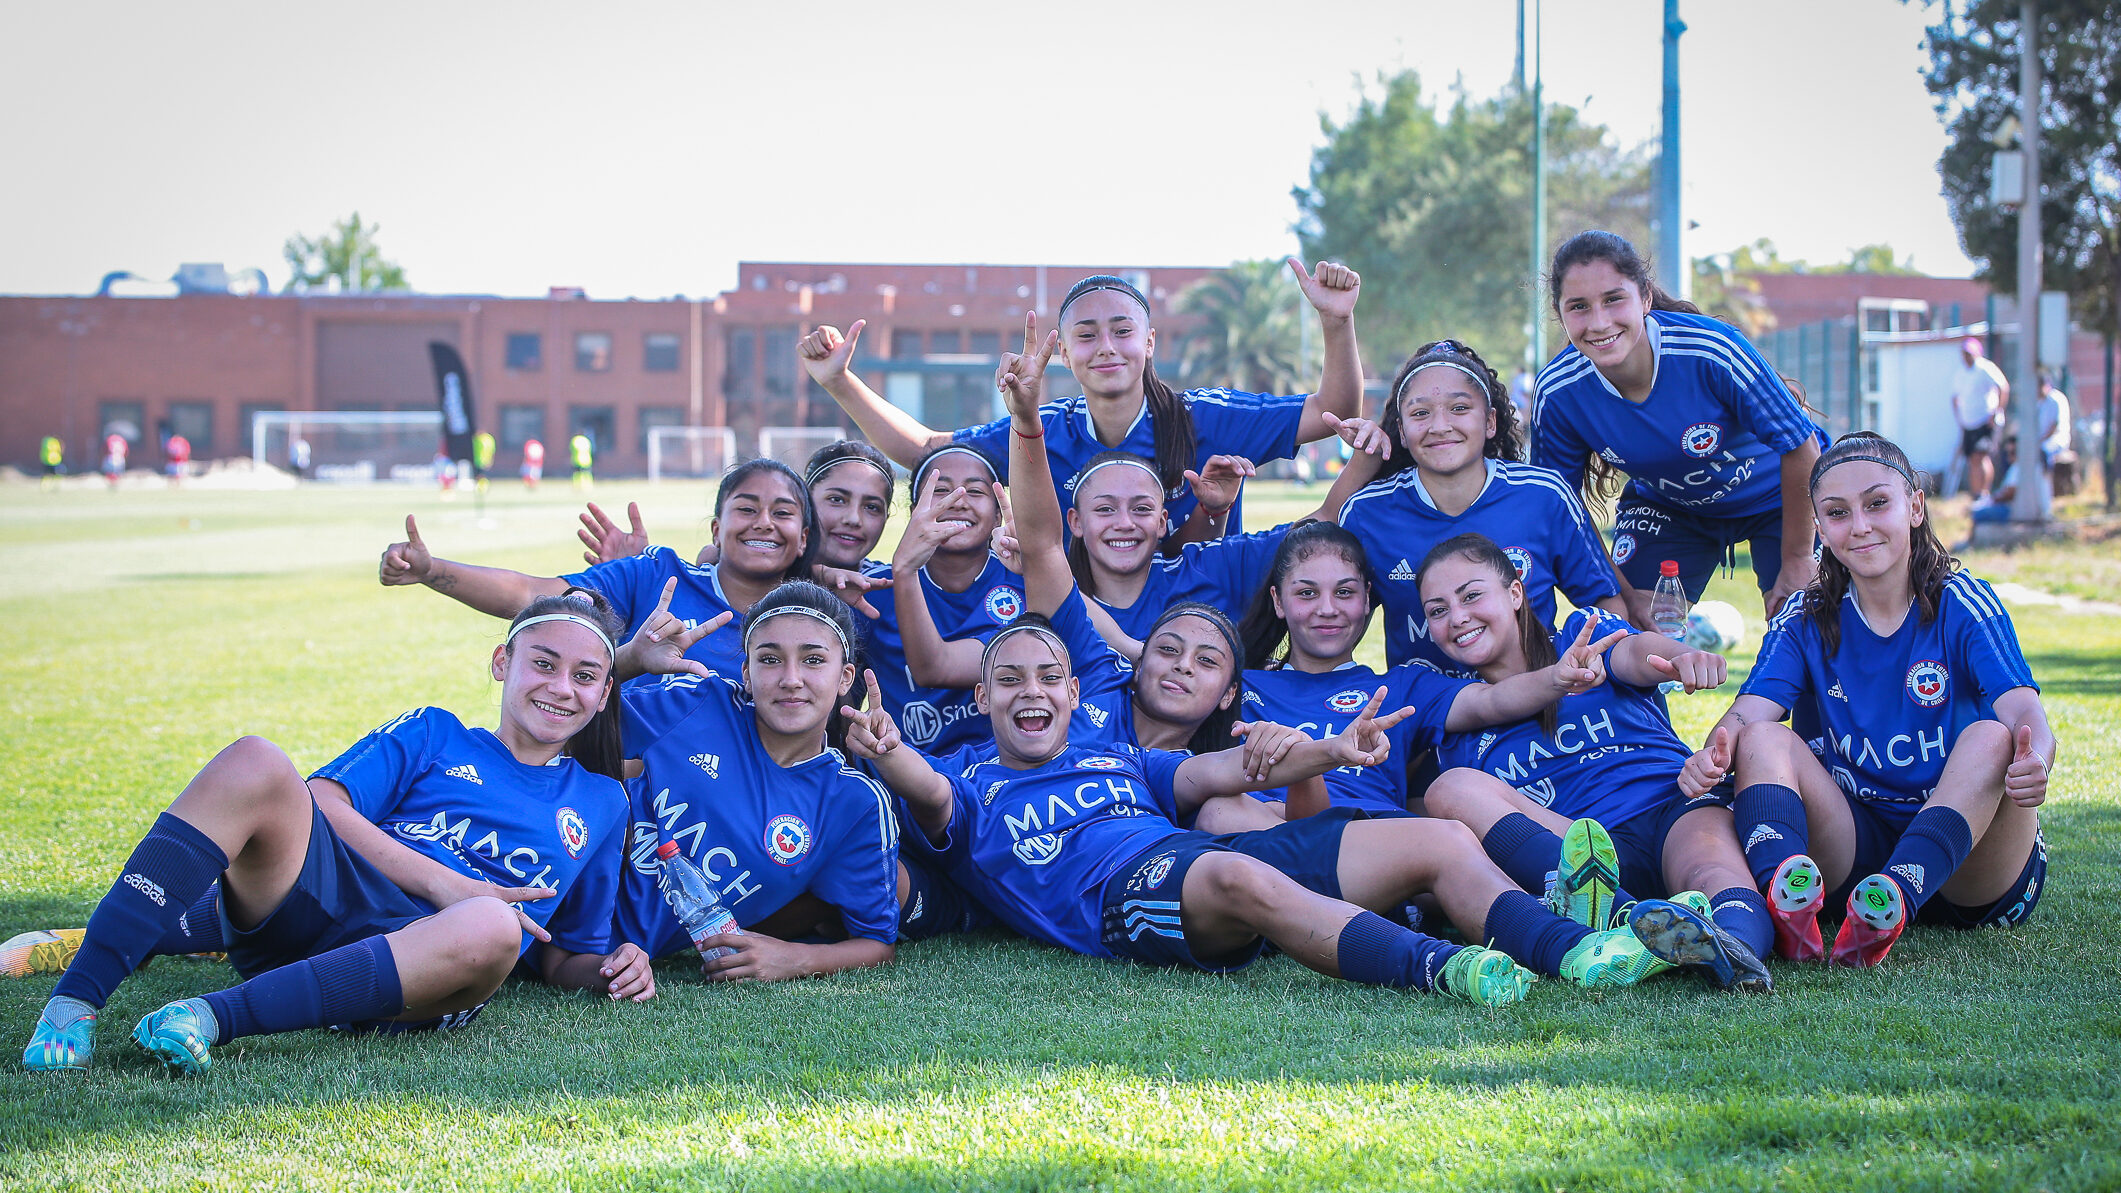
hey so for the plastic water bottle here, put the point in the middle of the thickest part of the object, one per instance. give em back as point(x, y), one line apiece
point(1668, 609)
point(695, 901)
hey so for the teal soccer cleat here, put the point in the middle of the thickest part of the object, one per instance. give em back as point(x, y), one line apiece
point(174, 1036)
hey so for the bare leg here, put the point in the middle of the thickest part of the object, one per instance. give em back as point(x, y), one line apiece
point(252, 802)
point(456, 958)
point(1229, 900)
point(2003, 832)
point(1384, 863)
point(1238, 814)
point(1769, 752)
point(1701, 853)
point(1478, 800)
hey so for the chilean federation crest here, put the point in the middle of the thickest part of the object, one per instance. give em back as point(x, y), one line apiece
point(574, 833)
point(1926, 682)
point(787, 838)
point(1702, 439)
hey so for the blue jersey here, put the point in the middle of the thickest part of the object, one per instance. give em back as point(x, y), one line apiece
point(458, 796)
point(1104, 679)
point(939, 720)
point(1529, 512)
point(1259, 427)
point(1892, 706)
point(634, 584)
point(1612, 755)
point(1036, 846)
point(1710, 436)
point(1324, 703)
point(1227, 573)
point(762, 832)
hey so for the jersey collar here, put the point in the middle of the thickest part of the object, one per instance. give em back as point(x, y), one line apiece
point(1651, 329)
point(1422, 491)
point(1089, 425)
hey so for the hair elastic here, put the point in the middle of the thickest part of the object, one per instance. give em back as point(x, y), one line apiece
point(920, 474)
point(810, 479)
point(579, 620)
point(1083, 478)
point(752, 624)
point(1909, 477)
point(1417, 370)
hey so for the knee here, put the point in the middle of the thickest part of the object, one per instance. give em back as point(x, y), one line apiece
point(1986, 741)
point(251, 771)
point(1446, 839)
point(1456, 792)
point(486, 935)
point(1240, 886)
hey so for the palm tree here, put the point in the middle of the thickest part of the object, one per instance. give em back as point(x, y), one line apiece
point(1249, 335)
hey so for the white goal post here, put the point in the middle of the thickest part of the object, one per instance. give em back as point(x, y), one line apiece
point(792, 445)
point(690, 452)
point(348, 445)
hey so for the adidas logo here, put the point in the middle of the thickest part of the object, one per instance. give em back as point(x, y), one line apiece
point(147, 886)
point(1096, 715)
point(1402, 571)
point(468, 773)
point(1763, 833)
point(1836, 692)
point(711, 763)
point(1913, 874)
point(913, 913)
point(993, 789)
point(1610, 456)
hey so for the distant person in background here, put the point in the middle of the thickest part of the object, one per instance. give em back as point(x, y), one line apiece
point(1521, 395)
point(533, 463)
point(114, 450)
point(53, 454)
point(1979, 395)
point(176, 458)
point(298, 456)
point(2056, 454)
point(583, 454)
point(445, 470)
point(481, 458)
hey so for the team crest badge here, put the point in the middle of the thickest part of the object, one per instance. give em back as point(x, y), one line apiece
point(1101, 762)
point(1623, 548)
point(787, 839)
point(1926, 682)
point(574, 833)
point(1702, 439)
point(1158, 869)
point(1520, 559)
point(1348, 701)
point(1004, 603)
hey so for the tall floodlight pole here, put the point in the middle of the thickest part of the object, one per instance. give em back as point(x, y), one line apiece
point(2028, 505)
point(1535, 341)
point(1671, 262)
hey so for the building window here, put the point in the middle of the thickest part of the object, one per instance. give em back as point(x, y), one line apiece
point(987, 344)
point(905, 345)
point(600, 423)
point(194, 421)
point(659, 352)
point(128, 419)
point(247, 420)
point(945, 343)
point(526, 351)
point(659, 416)
point(520, 424)
point(739, 363)
point(592, 351)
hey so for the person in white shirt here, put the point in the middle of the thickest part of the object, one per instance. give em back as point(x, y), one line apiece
point(1979, 395)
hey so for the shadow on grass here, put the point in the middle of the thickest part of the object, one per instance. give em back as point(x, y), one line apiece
point(2076, 674)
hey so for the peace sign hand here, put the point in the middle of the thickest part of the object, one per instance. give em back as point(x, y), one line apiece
point(926, 530)
point(1021, 377)
point(826, 354)
point(1707, 766)
point(1332, 290)
point(408, 562)
point(659, 646)
point(1582, 666)
point(1003, 541)
point(871, 734)
point(1365, 742)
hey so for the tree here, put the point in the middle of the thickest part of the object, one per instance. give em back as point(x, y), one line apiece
point(346, 255)
point(1725, 288)
point(1973, 74)
point(1250, 336)
point(1433, 208)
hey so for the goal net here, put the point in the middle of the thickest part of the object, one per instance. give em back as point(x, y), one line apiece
point(677, 452)
point(349, 445)
point(792, 445)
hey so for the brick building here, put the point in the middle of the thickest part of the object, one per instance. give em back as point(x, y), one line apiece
point(201, 365)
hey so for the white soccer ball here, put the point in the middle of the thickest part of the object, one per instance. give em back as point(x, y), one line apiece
point(1716, 626)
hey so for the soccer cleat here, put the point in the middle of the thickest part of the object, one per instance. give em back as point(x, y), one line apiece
point(1681, 934)
point(174, 1036)
point(1877, 914)
point(1614, 957)
point(1485, 976)
point(55, 1049)
point(1794, 896)
point(40, 952)
point(1589, 877)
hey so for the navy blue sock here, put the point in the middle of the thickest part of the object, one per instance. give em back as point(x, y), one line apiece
point(1375, 950)
point(197, 930)
point(346, 985)
point(1932, 849)
point(1521, 926)
point(1742, 912)
point(1522, 849)
point(161, 880)
point(1771, 828)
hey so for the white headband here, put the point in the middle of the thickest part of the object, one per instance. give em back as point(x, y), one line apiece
point(1082, 478)
point(1022, 627)
point(920, 477)
point(579, 620)
point(819, 471)
point(846, 652)
point(1442, 364)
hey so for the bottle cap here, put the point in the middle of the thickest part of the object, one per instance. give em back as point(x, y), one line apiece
point(667, 850)
point(1669, 567)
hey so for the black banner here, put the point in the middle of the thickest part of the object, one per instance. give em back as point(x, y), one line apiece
point(453, 394)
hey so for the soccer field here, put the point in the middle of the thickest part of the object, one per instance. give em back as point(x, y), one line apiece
point(154, 626)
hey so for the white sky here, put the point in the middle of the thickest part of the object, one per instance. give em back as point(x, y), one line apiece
point(643, 149)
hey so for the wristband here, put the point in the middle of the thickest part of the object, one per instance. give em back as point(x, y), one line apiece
point(1019, 434)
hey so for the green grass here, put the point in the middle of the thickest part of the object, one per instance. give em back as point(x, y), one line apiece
point(148, 628)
